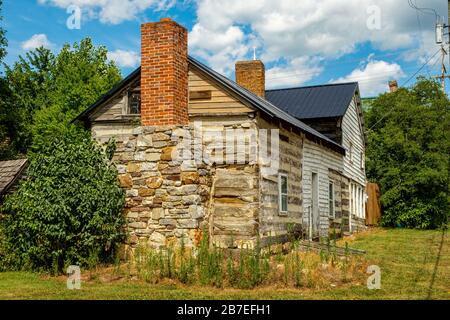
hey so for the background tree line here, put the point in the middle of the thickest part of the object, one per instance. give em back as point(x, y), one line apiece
point(408, 154)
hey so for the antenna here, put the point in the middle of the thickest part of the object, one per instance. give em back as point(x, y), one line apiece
point(254, 52)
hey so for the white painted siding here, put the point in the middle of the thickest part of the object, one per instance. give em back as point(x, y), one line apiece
point(318, 159)
point(353, 138)
point(354, 161)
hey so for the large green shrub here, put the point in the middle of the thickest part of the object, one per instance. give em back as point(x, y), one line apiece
point(408, 154)
point(67, 211)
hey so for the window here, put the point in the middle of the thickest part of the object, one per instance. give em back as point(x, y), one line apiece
point(134, 103)
point(350, 152)
point(362, 160)
point(331, 200)
point(283, 193)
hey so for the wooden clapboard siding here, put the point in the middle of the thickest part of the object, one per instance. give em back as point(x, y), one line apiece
point(220, 102)
point(112, 110)
point(352, 134)
point(318, 159)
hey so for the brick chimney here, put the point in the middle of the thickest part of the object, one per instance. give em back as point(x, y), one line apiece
point(393, 86)
point(164, 73)
point(251, 75)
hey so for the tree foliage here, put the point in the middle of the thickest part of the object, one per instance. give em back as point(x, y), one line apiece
point(408, 155)
point(67, 211)
point(45, 93)
point(3, 41)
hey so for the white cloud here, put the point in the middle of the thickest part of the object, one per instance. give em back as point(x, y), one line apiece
point(296, 72)
point(287, 29)
point(373, 76)
point(36, 41)
point(123, 58)
point(113, 11)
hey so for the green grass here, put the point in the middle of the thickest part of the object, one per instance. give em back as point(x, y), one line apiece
point(414, 265)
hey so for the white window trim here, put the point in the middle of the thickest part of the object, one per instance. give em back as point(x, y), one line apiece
point(333, 216)
point(280, 198)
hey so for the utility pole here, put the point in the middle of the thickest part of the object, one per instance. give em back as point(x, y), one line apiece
point(440, 27)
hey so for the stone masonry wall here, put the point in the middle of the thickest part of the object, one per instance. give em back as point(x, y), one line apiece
point(168, 200)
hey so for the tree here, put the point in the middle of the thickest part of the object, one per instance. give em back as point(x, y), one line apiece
point(408, 155)
point(81, 75)
point(5, 118)
point(3, 41)
point(30, 86)
point(67, 212)
point(46, 92)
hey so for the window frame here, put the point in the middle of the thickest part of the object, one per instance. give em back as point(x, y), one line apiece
point(281, 194)
point(331, 200)
point(362, 160)
point(128, 106)
point(350, 152)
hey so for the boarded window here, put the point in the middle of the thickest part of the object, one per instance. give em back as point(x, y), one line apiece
point(200, 95)
point(283, 193)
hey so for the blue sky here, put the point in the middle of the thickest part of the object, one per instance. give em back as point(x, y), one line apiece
point(304, 42)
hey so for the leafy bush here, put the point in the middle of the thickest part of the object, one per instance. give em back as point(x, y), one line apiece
point(408, 155)
point(67, 211)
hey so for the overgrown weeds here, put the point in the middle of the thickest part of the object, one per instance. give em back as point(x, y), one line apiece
point(248, 268)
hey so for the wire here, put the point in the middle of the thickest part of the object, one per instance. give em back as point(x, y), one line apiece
point(424, 10)
point(334, 65)
point(409, 79)
point(423, 66)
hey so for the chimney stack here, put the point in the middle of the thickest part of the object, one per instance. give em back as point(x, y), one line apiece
point(251, 76)
point(393, 86)
point(164, 74)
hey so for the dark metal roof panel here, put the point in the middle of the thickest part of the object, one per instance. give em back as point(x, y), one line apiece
point(260, 103)
point(324, 101)
point(265, 105)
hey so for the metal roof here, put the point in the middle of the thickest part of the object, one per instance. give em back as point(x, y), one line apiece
point(256, 101)
point(324, 101)
point(10, 171)
point(109, 94)
point(265, 106)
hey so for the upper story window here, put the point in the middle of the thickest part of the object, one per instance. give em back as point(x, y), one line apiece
point(350, 152)
point(362, 160)
point(332, 211)
point(134, 103)
point(283, 193)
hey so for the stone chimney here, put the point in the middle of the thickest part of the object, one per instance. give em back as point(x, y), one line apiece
point(393, 86)
point(164, 74)
point(251, 75)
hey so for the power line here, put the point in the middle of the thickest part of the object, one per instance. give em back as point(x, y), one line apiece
point(429, 11)
point(423, 66)
point(334, 65)
point(409, 79)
